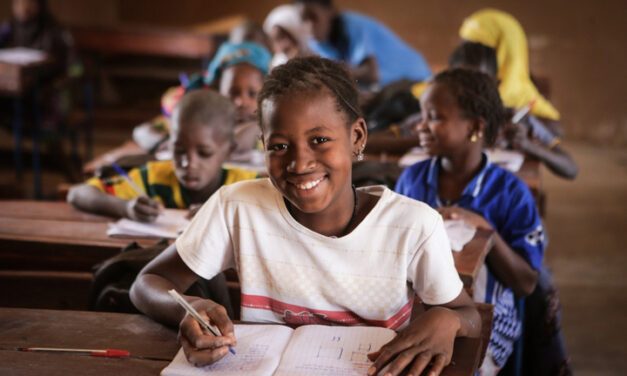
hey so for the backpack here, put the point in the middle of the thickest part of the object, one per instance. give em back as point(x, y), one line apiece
point(112, 280)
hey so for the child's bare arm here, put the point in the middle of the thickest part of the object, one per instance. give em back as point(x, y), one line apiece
point(555, 159)
point(429, 339)
point(149, 294)
point(90, 199)
point(507, 265)
point(367, 72)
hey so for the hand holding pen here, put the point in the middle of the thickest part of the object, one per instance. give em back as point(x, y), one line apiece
point(201, 343)
point(141, 208)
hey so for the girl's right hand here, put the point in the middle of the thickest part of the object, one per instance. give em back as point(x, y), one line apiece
point(142, 209)
point(202, 348)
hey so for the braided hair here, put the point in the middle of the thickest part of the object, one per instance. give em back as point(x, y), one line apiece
point(312, 74)
point(477, 95)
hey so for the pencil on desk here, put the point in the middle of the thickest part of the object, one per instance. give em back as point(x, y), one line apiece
point(107, 353)
point(179, 299)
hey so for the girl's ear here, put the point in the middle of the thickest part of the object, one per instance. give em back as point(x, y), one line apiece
point(477, 129)
point(359, 135)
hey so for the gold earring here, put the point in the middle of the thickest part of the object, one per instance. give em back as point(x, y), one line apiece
point(473, 137)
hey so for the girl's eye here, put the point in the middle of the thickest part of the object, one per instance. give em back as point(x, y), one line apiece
point(252, 94)
point(277, 147)
point(205, 154)
point(179, 151)
point(320, 140)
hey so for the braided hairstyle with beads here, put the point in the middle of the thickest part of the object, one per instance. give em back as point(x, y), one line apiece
point(312, 74)
point(477, 95)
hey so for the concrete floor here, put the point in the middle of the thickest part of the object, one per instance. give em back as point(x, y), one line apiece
point(587, 252)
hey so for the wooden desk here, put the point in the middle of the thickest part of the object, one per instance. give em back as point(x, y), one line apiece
point(151, 41)
point(62, 245)
point(51, 210)
point(135, 333)
point(75, 329)
point(470, 259)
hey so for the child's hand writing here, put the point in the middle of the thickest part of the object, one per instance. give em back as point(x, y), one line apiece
point(202, 348)
point(143, 209)
point(428, 340)
point(470, 217)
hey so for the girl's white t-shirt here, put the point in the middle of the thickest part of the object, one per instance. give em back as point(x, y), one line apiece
point(291, 274)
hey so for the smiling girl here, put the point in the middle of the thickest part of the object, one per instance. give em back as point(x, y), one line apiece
point(309, 247)
point(462, 114)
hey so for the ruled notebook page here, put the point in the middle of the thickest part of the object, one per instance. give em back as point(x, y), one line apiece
point(258, 352)
point(332, 350)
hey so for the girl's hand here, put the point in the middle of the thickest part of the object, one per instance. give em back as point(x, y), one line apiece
point(202, 348)
point(518, 135)
point(428, 340)
point(470, 217)
point(142, 209)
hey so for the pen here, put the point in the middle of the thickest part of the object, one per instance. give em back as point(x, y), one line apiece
point(120, 171)
point(107, 353)
point(522, 112)
point(179, 299)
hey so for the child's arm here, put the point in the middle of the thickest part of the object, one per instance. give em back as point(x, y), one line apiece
point(555, 158)
point(507, 265)
point(429, 339)
point(90, 199)
point(367, 72)
point(149, 294)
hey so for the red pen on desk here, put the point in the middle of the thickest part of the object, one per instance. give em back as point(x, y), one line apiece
point(107, 353)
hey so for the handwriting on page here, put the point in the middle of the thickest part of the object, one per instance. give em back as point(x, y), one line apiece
point(332, 351)
point(248, 360)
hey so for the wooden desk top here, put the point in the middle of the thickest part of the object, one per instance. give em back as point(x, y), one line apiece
point(75, 329)
point(469, 260)
point(39, 235)
point(135, 333)
point(49, 210)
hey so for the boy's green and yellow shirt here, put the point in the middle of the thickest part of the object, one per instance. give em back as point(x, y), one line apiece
point(159, 182)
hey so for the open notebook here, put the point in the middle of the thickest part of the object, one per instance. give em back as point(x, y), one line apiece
point(169, 224)
point(279, 350)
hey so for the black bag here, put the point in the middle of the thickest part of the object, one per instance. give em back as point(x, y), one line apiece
point(113, 278)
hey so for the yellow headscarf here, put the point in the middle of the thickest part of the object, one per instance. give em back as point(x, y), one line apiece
point(502, 32)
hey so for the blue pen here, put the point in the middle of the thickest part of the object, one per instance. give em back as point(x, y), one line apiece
point(120, 171)
point(192, 312)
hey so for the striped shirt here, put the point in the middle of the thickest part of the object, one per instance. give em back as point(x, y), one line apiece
point(159, 182)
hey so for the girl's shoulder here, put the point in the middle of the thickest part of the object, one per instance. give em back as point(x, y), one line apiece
point(393, 207)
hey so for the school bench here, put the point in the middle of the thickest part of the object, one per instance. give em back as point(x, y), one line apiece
point(151, 345)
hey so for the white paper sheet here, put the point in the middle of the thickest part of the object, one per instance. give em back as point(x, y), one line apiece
point(169, 224)
point(459, 233)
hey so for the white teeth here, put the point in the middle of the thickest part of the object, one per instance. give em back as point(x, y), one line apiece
point(309, 184)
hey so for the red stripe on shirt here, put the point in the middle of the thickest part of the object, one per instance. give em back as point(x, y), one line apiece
point(299, 315)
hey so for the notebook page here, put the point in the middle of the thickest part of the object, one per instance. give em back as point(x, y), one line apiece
point(258, 352)
point(169, 224)
point(332, 350)
point(459, 233)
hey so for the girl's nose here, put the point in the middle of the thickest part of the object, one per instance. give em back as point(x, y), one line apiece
point(184, 161)
point(302, 161)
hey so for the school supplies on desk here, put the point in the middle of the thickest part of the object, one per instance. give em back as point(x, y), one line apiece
point(169, 224)
point(459, 233)
point(106, 353)
point(280, 350)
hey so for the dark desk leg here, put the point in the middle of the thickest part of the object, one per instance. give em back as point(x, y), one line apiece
point(89, 132)
point(17, 137)
point(36, 130)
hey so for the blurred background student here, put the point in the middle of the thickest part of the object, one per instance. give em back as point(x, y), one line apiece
point(374, 54)
point(287, 33)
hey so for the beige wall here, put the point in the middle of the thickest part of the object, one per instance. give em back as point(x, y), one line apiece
point(578, 44)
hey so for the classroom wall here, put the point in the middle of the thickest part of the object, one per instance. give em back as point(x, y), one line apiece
point(577, 44)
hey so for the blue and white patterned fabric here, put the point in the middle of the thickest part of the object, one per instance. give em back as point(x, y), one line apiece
point(360, 37)
point(507, 204)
